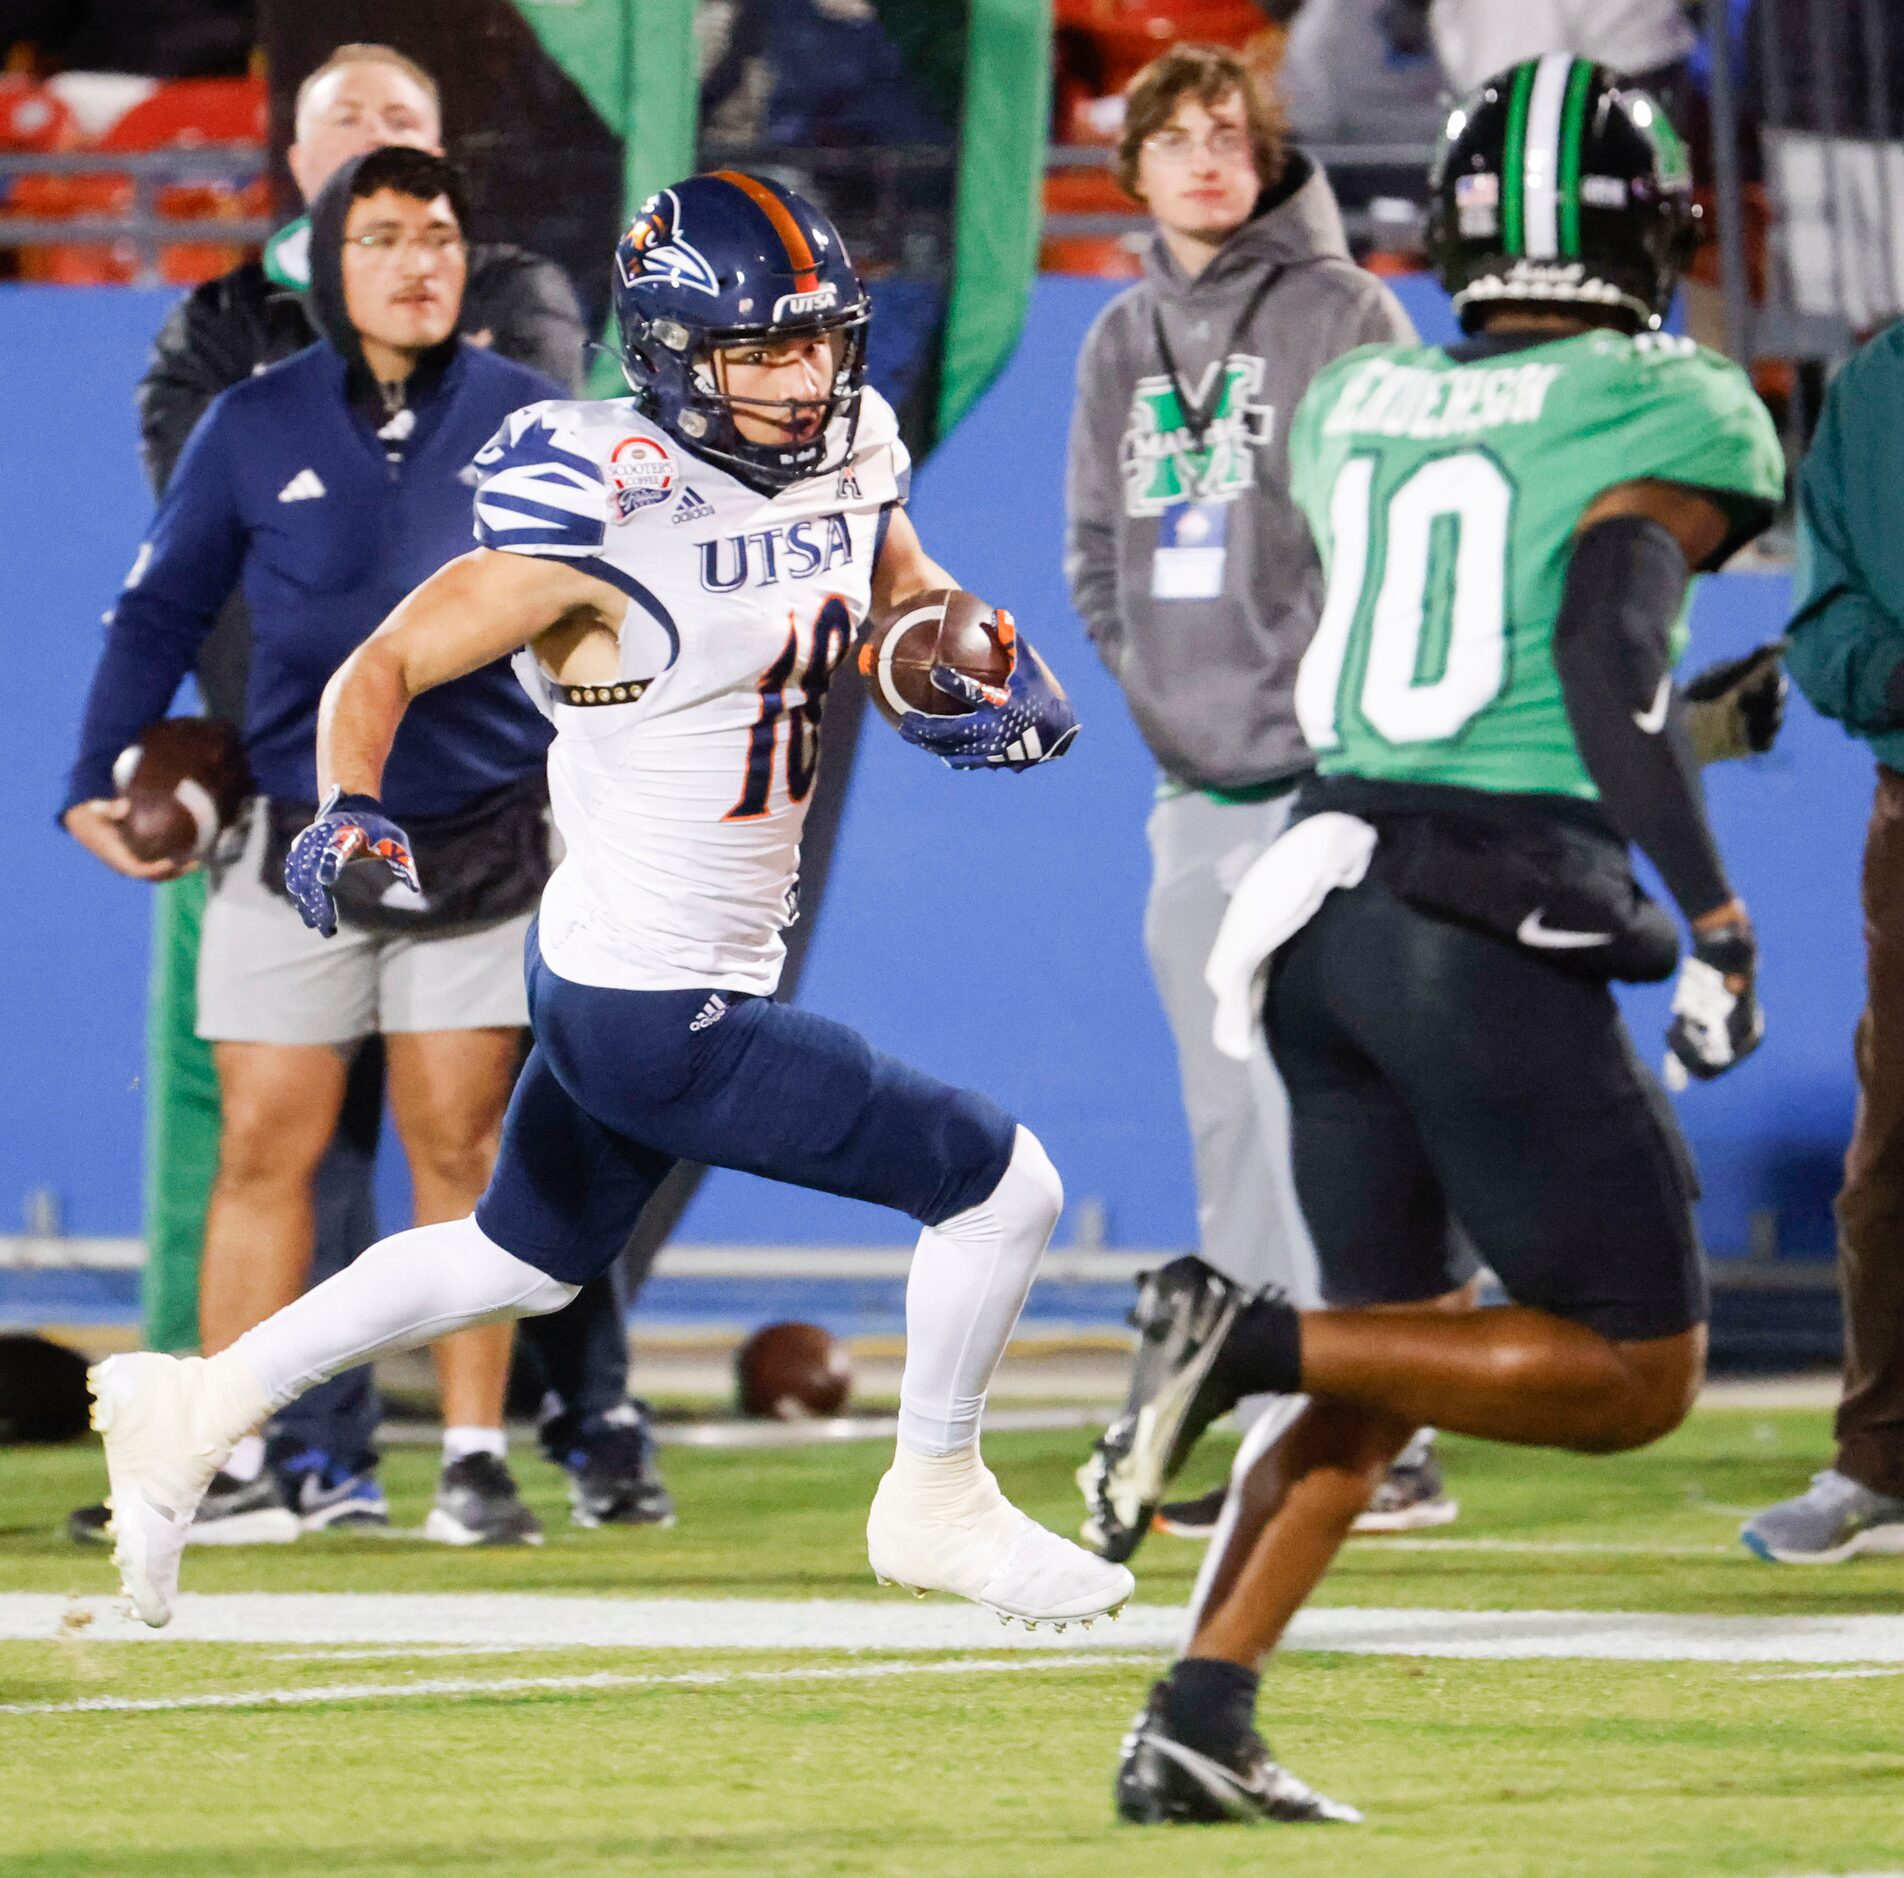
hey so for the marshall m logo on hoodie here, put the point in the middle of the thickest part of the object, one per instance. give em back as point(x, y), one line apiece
point(1186, 472)
point(1163, 459)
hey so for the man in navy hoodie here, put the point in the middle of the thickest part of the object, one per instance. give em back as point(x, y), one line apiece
point(325, 488)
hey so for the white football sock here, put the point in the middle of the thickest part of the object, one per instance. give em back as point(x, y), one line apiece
point(408, 1289)
point(1263, 1433)
point(246, 1461)
point(968, 1283)
point(460, 1442)
point(1248, 1412)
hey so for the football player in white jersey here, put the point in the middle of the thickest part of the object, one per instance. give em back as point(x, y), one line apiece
point(677, 576)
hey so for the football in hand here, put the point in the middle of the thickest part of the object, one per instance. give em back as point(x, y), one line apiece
point(183, 783)
point(793, 1372)
point(945, 626)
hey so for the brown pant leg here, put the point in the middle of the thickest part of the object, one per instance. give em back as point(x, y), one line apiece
point(1870, 1424)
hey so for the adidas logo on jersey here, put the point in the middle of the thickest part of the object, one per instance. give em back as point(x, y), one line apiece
point(692, 507)
point(305, 486)
point(711, 1013)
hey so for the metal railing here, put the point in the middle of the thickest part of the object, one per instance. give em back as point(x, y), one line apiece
point(1385, 186)
point(143, 228)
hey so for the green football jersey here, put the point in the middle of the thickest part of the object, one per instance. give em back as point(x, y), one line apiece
point(1444, 495)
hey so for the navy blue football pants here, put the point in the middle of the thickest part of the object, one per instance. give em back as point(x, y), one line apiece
point(622, 1084)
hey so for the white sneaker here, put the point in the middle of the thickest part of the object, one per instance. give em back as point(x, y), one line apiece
point(159, 1461)
point(940, 1523)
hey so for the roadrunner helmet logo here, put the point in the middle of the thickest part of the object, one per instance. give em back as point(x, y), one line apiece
point(654, 249)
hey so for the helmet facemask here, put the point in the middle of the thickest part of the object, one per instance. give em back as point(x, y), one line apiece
point(707, 416)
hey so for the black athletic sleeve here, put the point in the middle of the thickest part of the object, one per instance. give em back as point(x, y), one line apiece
point(1612, 648)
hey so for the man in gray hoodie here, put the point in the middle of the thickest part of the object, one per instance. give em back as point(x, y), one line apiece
point(1199, 584)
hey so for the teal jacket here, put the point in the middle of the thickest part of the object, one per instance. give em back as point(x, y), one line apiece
point(1847, 630)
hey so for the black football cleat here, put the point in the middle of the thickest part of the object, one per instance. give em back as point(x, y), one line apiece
point(613, 1481)
point(1163, 1782)
point(1184, 1312)
point(1192, 1519)
point(1410, 1497)
point(477, 1504)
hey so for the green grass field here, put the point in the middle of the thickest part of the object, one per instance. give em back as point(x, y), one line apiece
point(281, 1759)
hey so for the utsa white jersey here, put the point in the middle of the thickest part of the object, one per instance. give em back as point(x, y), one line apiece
point(680, 790)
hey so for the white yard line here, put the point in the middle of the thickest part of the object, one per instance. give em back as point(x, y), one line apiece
point(527, 1685)
point(1821, 1675)
point(548, 1623)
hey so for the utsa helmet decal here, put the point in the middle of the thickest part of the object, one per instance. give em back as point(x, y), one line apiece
point(719, 260)
point(1558, 184)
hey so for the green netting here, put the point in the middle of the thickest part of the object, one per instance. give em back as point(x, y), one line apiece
point(181, 1120)
point(1003, 127)
point(635, 62)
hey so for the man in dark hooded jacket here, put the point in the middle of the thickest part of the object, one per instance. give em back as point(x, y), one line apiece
point(325, 487)
point(521, 306)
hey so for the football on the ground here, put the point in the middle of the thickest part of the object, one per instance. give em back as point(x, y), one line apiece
point(946, 626)
point(42, 1390)
point(790, 1372)
point(183, 782)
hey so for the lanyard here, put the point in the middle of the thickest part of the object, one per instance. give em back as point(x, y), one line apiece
point(1197, 418)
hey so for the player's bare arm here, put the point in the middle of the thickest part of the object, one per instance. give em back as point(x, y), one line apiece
point(479, 608)
point(904, 568)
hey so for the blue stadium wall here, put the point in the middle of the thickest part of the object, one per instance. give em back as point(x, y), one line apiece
point(986, 927)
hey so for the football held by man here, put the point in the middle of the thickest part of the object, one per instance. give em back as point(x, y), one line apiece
point(1507, 527)
point(677, 577)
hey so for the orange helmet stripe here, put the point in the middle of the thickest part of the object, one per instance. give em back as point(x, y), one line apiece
point(792, 235)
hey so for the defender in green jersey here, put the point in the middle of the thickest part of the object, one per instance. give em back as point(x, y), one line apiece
point(1444, 489)
point(1508, 528)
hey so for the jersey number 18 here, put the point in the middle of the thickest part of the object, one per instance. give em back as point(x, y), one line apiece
point(799, 704)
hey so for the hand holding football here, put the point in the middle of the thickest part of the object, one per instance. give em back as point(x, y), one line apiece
point(183, 783)
point(944, 626)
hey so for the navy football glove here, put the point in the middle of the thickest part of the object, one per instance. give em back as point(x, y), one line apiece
point(1024, 722)
point(1717, 1021)
point(347, 828)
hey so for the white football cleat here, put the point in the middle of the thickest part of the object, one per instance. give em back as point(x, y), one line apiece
point(940, 1523)
point(159, 1460)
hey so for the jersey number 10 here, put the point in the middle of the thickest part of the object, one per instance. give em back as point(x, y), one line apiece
point(1436, 636)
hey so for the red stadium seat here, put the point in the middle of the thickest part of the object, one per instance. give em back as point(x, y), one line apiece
point(33, 119)
point(1128, 34)
point(1090, 192)
point(181, 115)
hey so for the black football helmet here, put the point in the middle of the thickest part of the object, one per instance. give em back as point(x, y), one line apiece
point(1556, 183)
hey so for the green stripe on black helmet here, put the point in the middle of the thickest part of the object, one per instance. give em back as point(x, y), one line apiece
point(1598, 219)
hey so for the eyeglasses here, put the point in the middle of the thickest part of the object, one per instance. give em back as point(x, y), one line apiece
point(433, 243)
point(1228, 143)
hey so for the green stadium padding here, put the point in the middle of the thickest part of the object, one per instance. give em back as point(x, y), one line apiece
point(1004, 122)
point(642, 75)
point(181, 1120)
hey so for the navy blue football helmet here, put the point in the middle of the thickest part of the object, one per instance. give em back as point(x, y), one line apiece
point(718, 260)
